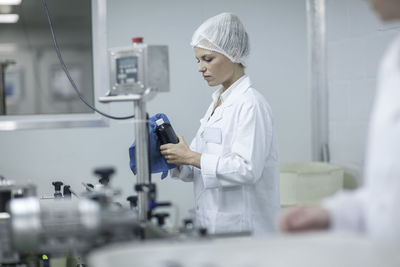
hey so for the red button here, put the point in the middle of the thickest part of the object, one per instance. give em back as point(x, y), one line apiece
point(137, 40)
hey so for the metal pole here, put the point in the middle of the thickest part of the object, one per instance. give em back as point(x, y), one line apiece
point(142, 157)
point(2, 89)
point(3, 66)
point(316, 29)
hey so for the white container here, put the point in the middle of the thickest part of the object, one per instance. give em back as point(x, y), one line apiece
point(308, 182)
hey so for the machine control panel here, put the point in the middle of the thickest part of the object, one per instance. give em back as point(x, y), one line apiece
point(135, 68)
point(127, 70)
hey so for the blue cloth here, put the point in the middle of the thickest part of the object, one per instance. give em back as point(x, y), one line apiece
point(158, 162)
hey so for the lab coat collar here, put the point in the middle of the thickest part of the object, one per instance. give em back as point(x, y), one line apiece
point(228, 97)
point(220, 93)
point(236, 90)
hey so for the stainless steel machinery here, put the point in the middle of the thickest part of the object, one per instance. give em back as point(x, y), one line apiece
point(137, 72)
point(31, 226)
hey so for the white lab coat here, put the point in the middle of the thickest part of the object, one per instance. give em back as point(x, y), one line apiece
point(375, 208)
point(237, 187)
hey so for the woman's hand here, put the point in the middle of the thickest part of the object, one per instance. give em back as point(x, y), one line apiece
point(180, 154)
point(304, 218)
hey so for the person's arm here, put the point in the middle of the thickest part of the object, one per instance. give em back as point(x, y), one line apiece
point(347, 210)
point(344, 211)
point(304, 218)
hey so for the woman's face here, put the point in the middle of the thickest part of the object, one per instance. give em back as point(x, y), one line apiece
point(387, 9)
point(216, 68)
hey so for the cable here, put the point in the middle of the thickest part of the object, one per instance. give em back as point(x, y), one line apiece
point(64, 67)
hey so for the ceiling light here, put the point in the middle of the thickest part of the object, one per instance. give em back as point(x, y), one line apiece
point(8, 47)
point(10, 2)
point(9, 18)
point(5, 9)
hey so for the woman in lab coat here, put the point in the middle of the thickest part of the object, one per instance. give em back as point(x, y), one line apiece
point(374, 208)
point(233, 160)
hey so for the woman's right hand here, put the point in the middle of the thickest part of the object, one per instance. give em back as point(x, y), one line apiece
point(180, 153)
point(304, 218)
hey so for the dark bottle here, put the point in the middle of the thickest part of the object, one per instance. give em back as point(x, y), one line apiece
point(165, 133)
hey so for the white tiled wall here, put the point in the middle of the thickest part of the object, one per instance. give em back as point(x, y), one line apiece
point(356, 41)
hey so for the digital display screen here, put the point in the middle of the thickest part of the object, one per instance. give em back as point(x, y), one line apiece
point(127, 70)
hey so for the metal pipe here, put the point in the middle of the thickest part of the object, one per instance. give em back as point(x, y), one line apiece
point(142, 156)
point(316, 29)
point(3, 66)
point(2, 89)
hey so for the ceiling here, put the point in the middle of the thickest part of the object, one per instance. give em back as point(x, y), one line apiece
point(69, 12)
point(71, 20)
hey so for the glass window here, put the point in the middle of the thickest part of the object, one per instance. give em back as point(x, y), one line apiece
point(33, 80)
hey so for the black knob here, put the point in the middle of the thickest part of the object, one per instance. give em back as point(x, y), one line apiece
point(67, 191)
point(203, 231)
point(133, 201)
point(57, 185)
point(105, 174)
point(57, 188)
point(161, 218)
point(138, 188)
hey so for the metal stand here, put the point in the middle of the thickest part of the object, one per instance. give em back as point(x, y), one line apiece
point(142, 156)
point(316, 22)
point(142, 145)
point(3, 66)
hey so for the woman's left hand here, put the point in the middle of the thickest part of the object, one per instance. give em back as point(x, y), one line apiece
point(180, 153)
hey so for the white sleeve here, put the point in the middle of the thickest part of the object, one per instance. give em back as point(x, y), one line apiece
point(250, 147)
point(348, 210)
point(182, 172)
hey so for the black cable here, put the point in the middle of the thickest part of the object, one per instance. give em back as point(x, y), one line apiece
point(64, 67)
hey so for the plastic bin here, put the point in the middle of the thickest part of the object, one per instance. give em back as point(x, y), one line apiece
point(309, 182)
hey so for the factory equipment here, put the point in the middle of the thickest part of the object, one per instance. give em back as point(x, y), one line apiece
point(6, 252)
point(137, 72)
point(136, 68)
point(69, 225)
point(63, 224)
point(9, 191)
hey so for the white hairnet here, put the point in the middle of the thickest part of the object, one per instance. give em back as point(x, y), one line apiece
point(225, 34)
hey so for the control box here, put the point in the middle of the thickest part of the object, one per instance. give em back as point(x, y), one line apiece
point(135, 68)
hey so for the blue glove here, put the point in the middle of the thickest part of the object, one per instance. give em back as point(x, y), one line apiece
point(157, 161)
